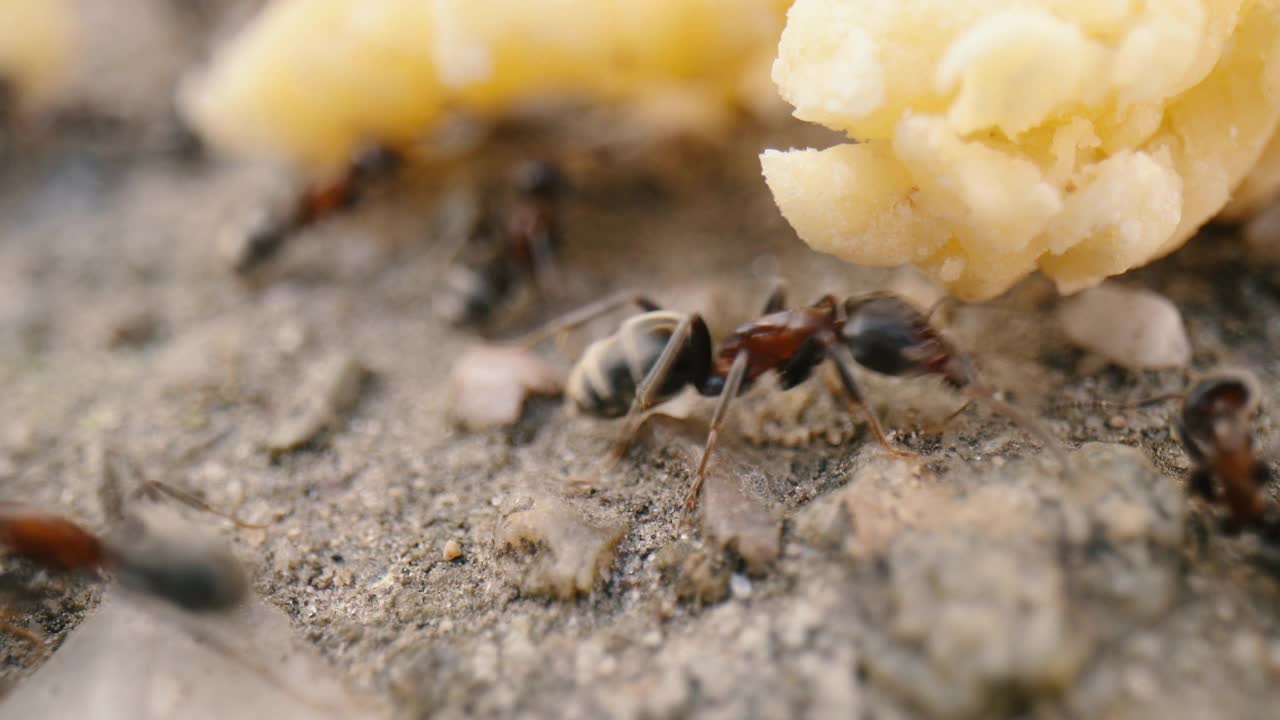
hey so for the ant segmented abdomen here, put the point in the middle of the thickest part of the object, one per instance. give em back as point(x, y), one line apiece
point(604, 382)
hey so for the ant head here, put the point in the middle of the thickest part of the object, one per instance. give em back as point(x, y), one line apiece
point(889, 336)
point(1219, 410)
point(540, 179)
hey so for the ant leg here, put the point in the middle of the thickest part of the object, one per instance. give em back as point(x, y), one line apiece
point(843, 361)
point(777, 301)
point(732, 384)
point(653, 381)
point(31, 636)
point(586, 314)
point(21, 632)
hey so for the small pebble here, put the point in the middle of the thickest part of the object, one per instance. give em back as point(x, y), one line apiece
point(1116, 422)
point(1133, 328)
point(740, 586)
point(489, 384)
point(452, 551)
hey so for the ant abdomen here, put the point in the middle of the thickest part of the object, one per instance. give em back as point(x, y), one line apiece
point(194, 581)
point(604, 382)
point(51, 541)
point(192, 573)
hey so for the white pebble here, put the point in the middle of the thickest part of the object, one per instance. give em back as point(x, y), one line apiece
point(1137, 329)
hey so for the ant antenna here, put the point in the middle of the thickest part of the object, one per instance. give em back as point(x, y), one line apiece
point(155, 488)
point(987, 396)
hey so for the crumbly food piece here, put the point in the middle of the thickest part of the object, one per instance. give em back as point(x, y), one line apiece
point(1078, 137)
point(1260, 188)
point(307, 81)
point(37, 45)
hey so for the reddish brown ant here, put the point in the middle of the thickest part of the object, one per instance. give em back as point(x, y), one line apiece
point(317, 203)
point(192, 576)
point(1216, 428)
point(161, 567)
point(514, 240)
point(654, 355)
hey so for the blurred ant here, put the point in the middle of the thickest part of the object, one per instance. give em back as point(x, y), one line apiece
point(1216, 428)
point(654, 355)
point(511, 244)
point(317, 203)
point(194, 578)
point(163, 564)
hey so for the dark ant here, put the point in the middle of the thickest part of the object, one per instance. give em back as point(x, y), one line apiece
point(317, 203)
point(1216, 428)
point(654, 355)
point(515, 242)
point(189, 575)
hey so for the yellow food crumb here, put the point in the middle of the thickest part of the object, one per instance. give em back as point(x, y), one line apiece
point(308, 81)
point(1078, 137)
point(1261, 186)
point(37, 45)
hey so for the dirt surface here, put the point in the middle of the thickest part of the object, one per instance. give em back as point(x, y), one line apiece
point(513, 572)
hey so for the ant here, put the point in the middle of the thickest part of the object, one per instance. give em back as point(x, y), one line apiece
point(316, 203)
point(655, 354)
point(185, 573)
point(194, 579)
point(1216, 428)
point(506, 248)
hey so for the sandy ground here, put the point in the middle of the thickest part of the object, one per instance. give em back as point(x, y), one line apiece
point(982, 581)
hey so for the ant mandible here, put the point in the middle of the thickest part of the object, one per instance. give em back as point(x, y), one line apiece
point(655, 354)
